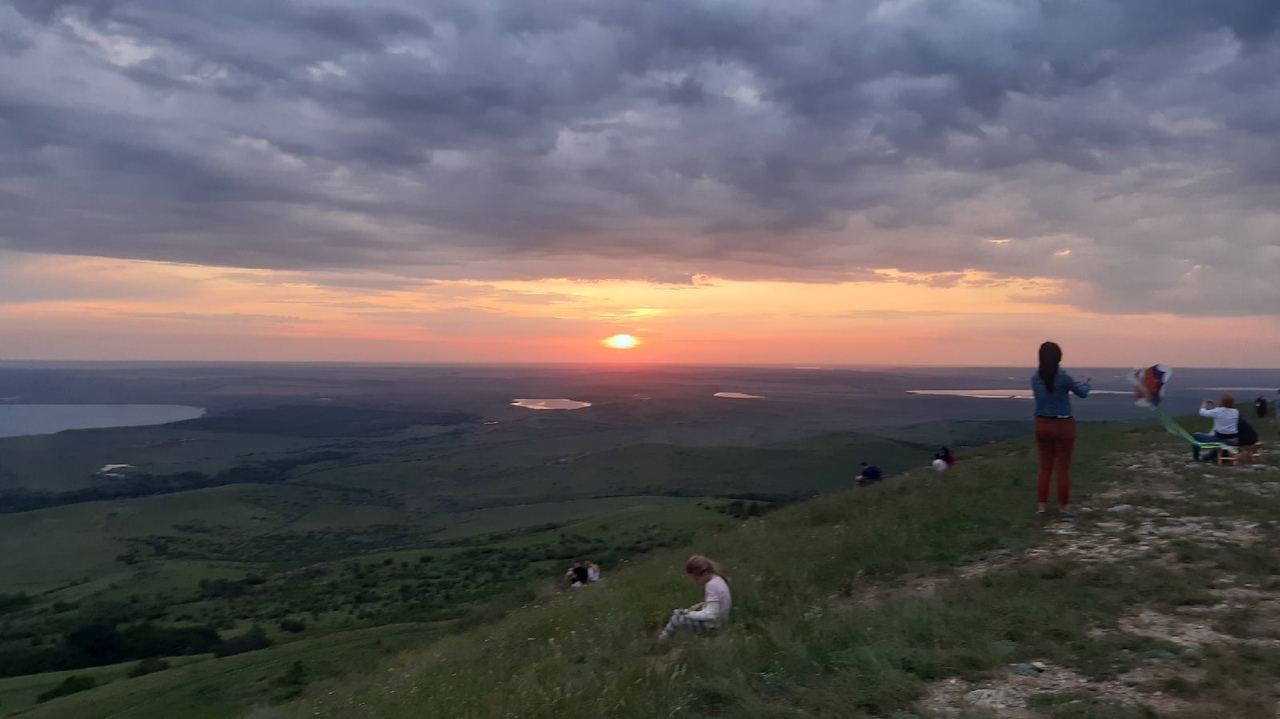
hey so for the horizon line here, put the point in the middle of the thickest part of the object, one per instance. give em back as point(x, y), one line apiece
point(578, 364)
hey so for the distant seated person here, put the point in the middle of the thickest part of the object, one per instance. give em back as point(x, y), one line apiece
point(577, 575)
point(945, 455)
point(869, 475)
point(593, 572)
point(1226, 425)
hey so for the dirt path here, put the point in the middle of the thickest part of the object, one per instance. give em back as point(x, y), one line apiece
point(1155, 510)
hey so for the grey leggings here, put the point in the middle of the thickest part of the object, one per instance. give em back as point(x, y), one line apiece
point(680, 619)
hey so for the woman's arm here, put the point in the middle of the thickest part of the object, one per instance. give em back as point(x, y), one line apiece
point(709, 612)
point(1081, 389)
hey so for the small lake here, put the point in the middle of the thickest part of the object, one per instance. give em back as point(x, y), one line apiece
point(550, 403)
point(22, 419)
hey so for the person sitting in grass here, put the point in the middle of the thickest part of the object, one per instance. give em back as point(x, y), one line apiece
point(577, 576)
point(713, 610)
point(593, 572)
point(869, 474)
point(945, 455)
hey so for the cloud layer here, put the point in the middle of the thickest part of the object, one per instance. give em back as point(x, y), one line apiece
point(1130, 149)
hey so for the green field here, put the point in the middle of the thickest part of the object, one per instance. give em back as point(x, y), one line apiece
point(365, 567)
point(293, 534)
point(71, 460)
point(207, 688)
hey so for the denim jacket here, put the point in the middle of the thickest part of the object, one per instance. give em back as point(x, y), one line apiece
point(1058, 402)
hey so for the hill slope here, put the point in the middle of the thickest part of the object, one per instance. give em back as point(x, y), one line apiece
point(927, 595)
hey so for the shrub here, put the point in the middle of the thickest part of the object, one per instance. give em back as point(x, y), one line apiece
point(293, 681)
point(150, 665)
point(71, 685)
point(251, 641)
point(13, 602)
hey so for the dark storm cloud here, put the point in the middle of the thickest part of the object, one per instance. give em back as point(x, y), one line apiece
point(1126, 148)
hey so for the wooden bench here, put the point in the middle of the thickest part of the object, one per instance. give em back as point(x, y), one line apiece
point(1247, 454)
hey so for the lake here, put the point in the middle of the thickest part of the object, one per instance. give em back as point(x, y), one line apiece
point(23, 419)
point(550, 403)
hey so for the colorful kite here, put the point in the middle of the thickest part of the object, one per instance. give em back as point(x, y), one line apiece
point(1149, 382)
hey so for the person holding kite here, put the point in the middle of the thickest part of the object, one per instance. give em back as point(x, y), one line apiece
point(1055, 427)
point(1229, 429)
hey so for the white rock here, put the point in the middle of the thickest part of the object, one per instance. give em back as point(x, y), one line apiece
point(996, 698)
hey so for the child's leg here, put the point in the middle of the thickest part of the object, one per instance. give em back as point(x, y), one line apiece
point(680, 620)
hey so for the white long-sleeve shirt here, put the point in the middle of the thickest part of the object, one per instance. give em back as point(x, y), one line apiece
point(1226, 420)
point(716, 603)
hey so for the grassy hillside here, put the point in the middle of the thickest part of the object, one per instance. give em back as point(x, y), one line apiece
point(206, 688)
point(927, 595)
point(886, 601)
point(380, 535)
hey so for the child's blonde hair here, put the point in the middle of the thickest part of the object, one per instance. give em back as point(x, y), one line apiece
point(701, 566)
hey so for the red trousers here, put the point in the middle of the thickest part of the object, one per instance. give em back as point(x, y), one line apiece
point(1056, 438)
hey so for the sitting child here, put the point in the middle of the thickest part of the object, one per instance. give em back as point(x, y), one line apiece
point(713, 611)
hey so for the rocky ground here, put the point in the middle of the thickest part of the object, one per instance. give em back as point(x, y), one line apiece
point(1154, 510)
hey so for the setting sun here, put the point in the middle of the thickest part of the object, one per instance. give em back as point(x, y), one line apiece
point(621, 342)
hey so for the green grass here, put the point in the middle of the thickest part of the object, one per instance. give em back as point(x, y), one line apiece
point(805, 640)
point(500, 519)
point(801, 644)
point(497, 551)
point(461, 478)
point(70, 460)
point(19, 693)
point(1086, 705)
point(828, 618)
point(208, 688)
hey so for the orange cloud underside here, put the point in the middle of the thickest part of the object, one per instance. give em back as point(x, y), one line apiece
point(149, 310)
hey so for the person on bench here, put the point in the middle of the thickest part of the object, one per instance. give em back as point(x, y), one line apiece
point(1226, 425)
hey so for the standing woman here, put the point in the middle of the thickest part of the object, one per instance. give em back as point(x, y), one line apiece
point(1055, 427)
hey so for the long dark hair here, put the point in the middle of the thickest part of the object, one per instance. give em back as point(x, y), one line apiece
point(1050, 362)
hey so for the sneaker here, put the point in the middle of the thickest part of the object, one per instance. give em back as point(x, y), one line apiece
point(1042, 514)
point(1066, 517)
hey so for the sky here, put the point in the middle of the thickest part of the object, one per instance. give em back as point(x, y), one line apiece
point(810, 182)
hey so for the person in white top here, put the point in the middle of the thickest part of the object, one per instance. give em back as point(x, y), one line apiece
point(1226, 424)
point(713, 610)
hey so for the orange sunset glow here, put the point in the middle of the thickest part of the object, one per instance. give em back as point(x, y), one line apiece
point(129, 309)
